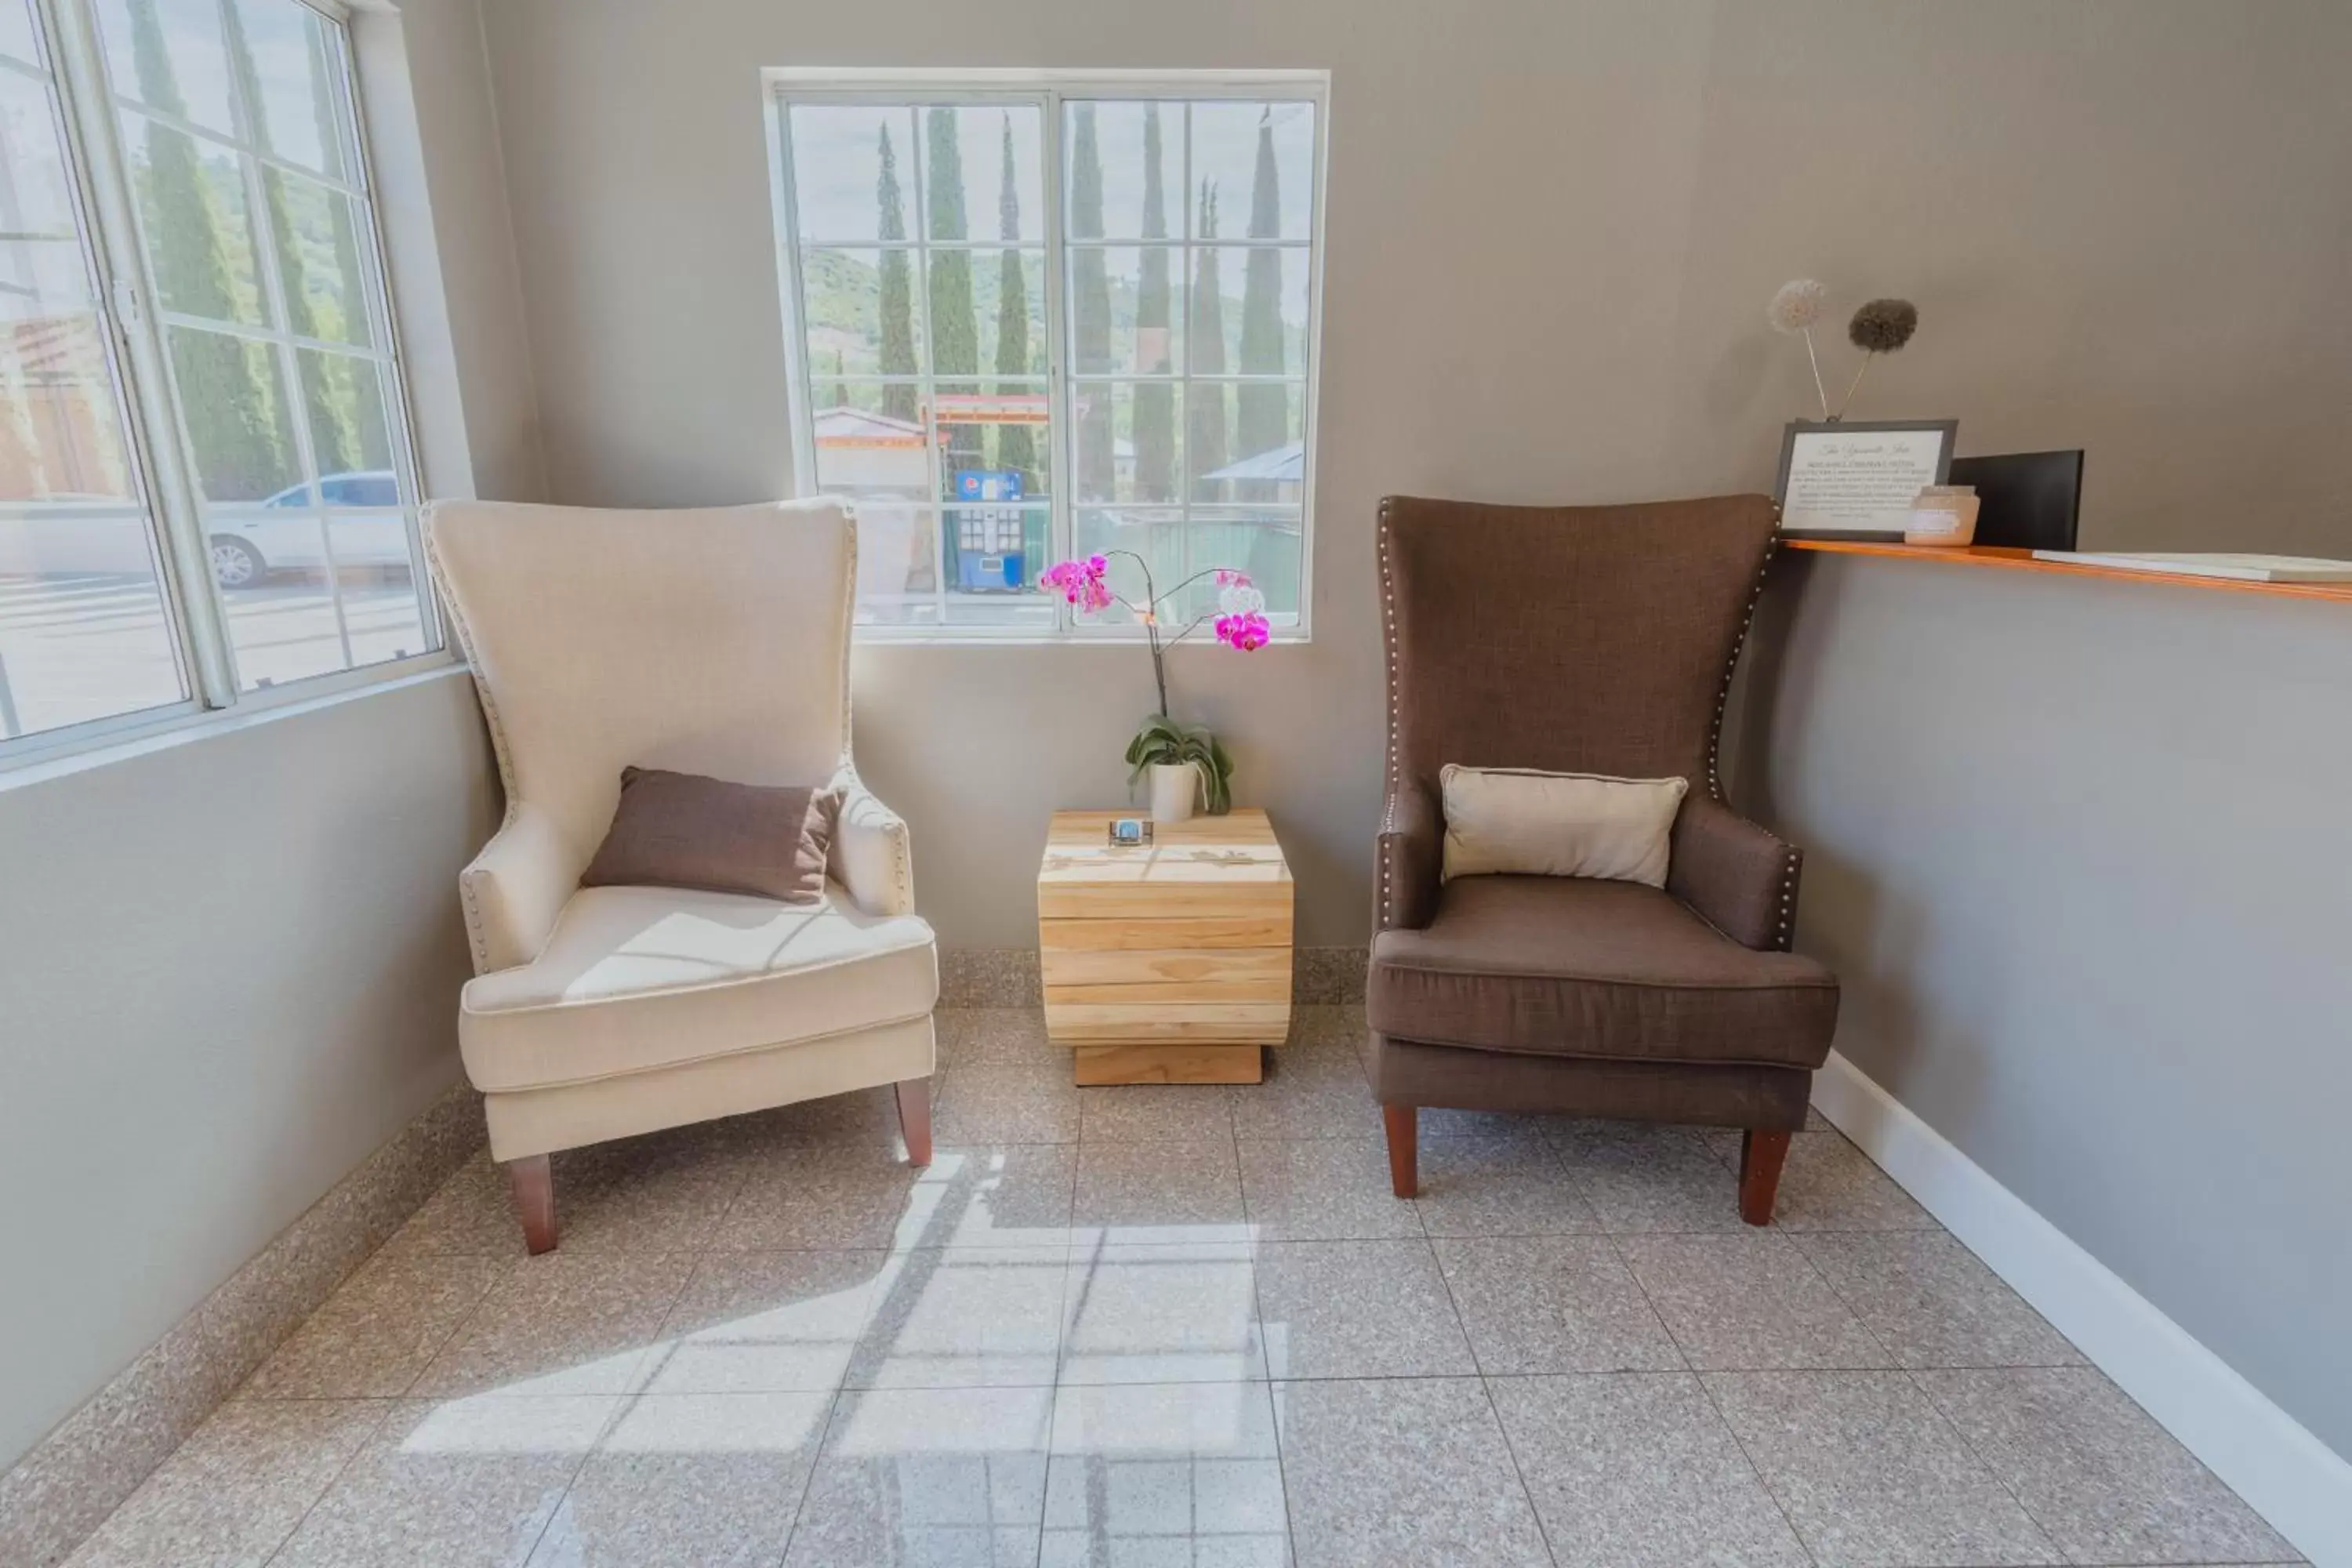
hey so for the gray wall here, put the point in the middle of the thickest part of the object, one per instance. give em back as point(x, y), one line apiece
point(231, 968)
point(436, 139)
point(230, 960)
point(1553, 225)
point(2079, 852)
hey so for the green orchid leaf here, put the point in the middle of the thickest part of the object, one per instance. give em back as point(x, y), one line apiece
point(1159, 739)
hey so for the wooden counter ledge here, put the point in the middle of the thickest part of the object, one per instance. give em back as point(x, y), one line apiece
point(2009, 559)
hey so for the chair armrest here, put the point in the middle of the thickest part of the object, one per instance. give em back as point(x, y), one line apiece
point(515, 889)
point(1740, 876)
point(1405, 876)
point(869, 855)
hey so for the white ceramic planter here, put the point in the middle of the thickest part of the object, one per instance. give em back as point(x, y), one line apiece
point(1175, 788)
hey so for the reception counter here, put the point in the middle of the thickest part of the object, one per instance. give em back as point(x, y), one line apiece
point(2079, 843)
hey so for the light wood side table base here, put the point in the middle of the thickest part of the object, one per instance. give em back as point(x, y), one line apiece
point(1171, 1063)
point(1168, 963)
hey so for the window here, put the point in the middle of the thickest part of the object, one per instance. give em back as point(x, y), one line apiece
point(207, 486)
point(1033, 319)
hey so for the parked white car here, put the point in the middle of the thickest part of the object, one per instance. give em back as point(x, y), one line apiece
point(91, 535)
point(248, 546)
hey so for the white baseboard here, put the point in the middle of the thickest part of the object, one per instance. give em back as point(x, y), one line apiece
point(2290, 1476)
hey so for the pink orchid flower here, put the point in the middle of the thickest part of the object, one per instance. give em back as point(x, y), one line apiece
point(1080, 583)
point(1243, 625)
point(1247, 632)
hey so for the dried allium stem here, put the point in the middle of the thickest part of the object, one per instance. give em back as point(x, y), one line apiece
point(1856, 382)
point(1818, 390)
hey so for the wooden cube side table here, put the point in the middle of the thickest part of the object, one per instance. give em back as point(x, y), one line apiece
point(1165, 962)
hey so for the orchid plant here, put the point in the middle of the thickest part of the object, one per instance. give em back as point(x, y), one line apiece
point(1239, 623)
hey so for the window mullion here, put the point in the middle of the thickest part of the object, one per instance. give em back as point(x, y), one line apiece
point(1062, 527)
point(798, 371)
point(1311, 373)
point(918, 160)
point(128, 303)
point(1183, 287)
point(206, 135)
point(268, 268)
point(384, 314)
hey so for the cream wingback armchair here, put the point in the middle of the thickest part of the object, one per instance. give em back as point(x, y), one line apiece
point(712, 641)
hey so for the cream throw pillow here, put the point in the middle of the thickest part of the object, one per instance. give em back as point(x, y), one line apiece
point(1557, 825)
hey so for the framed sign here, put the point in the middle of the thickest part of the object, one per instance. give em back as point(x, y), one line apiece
point(1857, 480)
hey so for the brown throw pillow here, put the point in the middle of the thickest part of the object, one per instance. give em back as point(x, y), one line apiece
point(682, 830)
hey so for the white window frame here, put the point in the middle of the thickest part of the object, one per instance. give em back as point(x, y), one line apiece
point(783, 87)
point(134, 323)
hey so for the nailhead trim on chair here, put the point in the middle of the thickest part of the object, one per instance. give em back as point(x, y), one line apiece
point(1715, 743)
point(901, 875)
point(467, 898)
point(848, 623)
point(1789, 897)
point(1723, 690)
point(1388, 635)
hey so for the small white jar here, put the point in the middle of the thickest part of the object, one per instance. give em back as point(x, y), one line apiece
point(1943, 514)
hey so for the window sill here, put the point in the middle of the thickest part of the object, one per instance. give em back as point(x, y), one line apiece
point(69, 757)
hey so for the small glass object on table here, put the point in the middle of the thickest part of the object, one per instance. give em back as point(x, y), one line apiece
point(1944, 515)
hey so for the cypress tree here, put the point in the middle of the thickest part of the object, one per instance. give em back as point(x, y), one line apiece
point(327, 386)
point(955, 334)
point(229, 408)
point(1205, 416)
point(1262, 420)
point(1155, 402)
point(897, 304)
point(1015, 446)
point(1090, 305)
point(840, 387)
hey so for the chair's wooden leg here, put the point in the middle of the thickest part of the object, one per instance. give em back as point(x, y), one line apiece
point(1405, 1149)
point(1760, 1154)
point(915, 1119)
point(534, 1200)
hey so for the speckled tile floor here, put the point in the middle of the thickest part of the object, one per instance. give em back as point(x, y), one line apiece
point(1137, 1327)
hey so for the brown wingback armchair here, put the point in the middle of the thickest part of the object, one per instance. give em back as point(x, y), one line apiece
point(1601, 641)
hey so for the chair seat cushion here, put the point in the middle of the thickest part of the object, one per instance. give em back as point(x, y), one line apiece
point(1562, 966)
point(635, 979)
